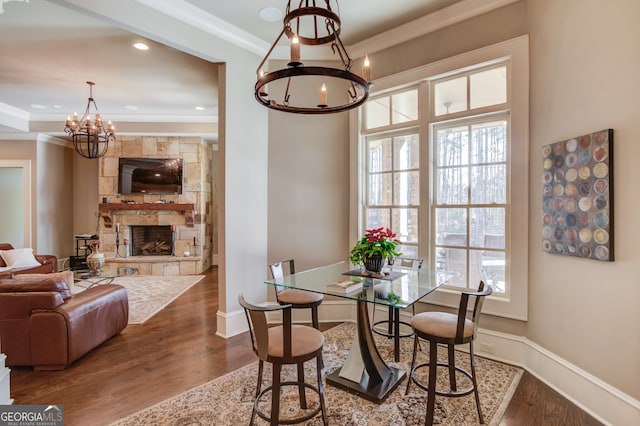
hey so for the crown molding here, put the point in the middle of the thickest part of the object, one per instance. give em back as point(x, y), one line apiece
point(211, 24)
point(439, 19)
point(14, 118)
point(135, 118)
point(45, 138)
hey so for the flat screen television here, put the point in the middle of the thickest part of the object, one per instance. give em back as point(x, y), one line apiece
point(150, 176)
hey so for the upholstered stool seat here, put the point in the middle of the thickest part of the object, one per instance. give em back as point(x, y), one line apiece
point(298, 299)
point(441, 325)
point(305, 342)
point(442, 328)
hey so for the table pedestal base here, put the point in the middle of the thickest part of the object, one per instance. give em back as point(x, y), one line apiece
point(365, 373)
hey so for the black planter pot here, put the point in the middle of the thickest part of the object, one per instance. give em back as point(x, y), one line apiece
point(374, 264)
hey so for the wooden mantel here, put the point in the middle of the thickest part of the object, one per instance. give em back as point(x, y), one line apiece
point(106, 209)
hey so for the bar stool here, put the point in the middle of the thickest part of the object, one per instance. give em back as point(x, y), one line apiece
point(402, 262)
point(298, 299)
point(451, 330)
point(387, 327)
point(281, 345)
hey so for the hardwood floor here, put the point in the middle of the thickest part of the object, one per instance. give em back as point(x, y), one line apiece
point(177, 349)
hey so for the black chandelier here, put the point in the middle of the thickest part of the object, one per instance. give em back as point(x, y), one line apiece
point(314, 25)
point(90, 138)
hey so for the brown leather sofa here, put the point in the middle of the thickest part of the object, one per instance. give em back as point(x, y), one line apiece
point(49, 263)
point(44, 326)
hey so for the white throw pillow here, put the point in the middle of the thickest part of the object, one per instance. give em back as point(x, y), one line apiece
point(19, 258)
point(67, 276)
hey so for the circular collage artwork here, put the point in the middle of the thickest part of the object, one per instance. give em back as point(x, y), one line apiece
point(576, 196)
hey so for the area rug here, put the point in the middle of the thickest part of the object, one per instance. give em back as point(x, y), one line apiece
point(228, 400)
point(148, 294)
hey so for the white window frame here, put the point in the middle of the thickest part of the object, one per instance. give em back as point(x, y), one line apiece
point(516, 53)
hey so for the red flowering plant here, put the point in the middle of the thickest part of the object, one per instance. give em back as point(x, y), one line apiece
point(380, 242)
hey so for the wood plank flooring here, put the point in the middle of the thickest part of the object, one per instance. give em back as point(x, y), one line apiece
point(178, 349)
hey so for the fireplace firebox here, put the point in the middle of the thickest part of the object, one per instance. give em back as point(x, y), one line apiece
point(151, 240)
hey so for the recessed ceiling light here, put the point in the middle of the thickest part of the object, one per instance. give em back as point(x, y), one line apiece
point(140, 46)
point(132, 107)
point(199, 108)
point(270, 14)
point(57, 106)
point(38, 106)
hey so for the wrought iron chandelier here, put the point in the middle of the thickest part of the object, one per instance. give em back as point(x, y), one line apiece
point(312, 25)
point(90, 138)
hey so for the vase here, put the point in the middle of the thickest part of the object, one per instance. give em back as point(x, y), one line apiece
point(373, 264)
point(95, 260)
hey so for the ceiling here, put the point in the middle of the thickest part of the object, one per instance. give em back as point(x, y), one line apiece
point(49, 51)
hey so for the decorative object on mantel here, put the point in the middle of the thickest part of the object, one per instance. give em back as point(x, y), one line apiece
point(577, 196)
point(90, 139)
point(314, 26)
point(373, 249)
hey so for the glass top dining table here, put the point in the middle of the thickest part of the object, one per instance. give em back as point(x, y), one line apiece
point(365, 372)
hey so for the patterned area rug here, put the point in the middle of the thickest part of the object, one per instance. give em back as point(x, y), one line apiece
point(148, 294)
point(228, 400)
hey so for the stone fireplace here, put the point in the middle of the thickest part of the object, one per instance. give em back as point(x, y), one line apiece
point(151, 240)
point(150, 221)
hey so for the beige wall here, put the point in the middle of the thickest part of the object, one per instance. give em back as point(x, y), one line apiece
point(308, 186)
point(51, 185)
point(585, 63)
point(85, 195)
point(54, 190)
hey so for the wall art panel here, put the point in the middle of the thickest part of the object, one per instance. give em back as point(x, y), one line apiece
point(577, 196)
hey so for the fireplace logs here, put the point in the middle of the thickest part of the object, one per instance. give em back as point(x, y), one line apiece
point(155, 248)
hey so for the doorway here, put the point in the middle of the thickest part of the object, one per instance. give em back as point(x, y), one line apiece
point(15, 211)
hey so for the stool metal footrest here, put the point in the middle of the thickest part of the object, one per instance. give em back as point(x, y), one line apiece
point(295, 420)
point(450, 394)
point(390, 324)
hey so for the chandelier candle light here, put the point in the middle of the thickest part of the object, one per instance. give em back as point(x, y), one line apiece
point(314, 26)
point(90, 139)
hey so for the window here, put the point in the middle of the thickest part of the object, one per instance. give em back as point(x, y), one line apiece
point(439, 145)
point(470, 203)
point(393, 188)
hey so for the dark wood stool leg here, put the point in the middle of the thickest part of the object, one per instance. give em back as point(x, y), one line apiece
point(475, 383)
point(314, 318)
point(396, 334)
point(301, 393)
point(258, 388)
point(431, 394)
point(452, 367)
point(323, 408)
point(413, 363)
point(275, 394)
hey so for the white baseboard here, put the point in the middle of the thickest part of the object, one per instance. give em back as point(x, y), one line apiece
point(230, 324)
point(601, 400)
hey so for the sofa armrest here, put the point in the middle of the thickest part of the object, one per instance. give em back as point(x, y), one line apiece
point(21, 305)
point(48, 261)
